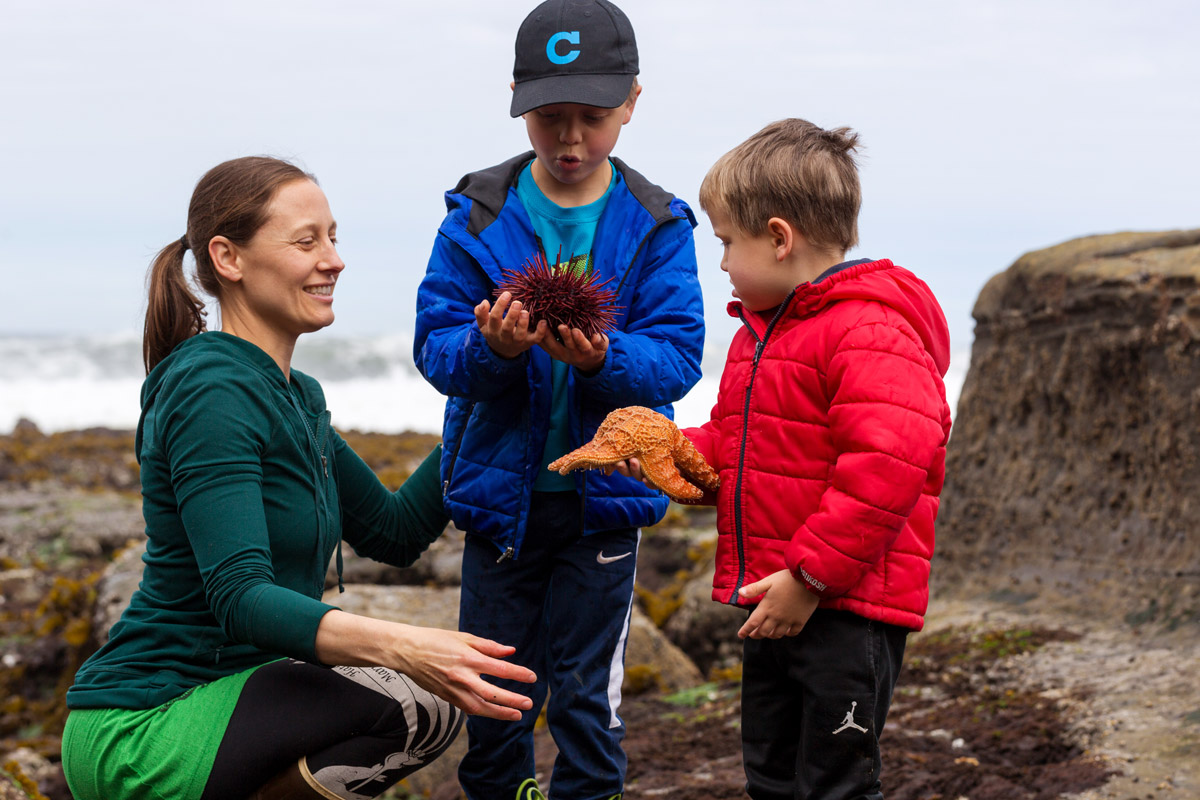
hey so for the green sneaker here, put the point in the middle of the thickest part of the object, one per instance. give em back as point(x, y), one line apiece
point(528, 790)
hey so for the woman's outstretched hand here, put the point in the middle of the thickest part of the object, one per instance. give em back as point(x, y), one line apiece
point(452, 664)
point(449, 664)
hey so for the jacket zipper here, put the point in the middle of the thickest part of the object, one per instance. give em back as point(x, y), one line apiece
point(508, 552)
point(740, 537)
point(642, 245)
point(319, 443)
point(457, 448)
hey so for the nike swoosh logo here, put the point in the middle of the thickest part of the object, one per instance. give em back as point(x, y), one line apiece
point(603, 559)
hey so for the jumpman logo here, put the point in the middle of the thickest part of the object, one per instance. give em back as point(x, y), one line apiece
point(848, 722)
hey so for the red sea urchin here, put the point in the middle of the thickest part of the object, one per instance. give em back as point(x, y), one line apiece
point(563, 296)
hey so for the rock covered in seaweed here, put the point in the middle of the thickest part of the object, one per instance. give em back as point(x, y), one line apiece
point(1076, 446)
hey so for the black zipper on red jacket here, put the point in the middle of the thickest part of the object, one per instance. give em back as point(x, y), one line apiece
point(739, 534)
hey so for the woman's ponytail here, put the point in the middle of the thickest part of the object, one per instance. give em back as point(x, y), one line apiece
point(173, 312)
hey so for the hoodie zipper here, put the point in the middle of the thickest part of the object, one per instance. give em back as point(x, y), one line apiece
point(319, 439)
point(317, 443)
point(740, 536)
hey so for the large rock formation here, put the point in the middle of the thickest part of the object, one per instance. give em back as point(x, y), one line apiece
point(1073, 470)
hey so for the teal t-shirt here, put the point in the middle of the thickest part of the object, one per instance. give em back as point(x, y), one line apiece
point(565, 236)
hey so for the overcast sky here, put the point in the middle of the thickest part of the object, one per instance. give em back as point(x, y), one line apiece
point(990, 128)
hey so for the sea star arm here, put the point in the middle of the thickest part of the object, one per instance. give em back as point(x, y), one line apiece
point(658, 467)
point(592, 455)
point(692, 465)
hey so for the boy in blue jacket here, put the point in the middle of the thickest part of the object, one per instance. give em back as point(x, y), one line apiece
point(549, 559)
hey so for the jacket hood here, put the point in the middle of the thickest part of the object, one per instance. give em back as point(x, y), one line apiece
point(209, 345)
point(488, 192)
point(881, 282)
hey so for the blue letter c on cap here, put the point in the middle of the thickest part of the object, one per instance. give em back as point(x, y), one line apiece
point(552, 47)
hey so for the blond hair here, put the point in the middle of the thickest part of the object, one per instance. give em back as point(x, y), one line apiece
point(794, 170)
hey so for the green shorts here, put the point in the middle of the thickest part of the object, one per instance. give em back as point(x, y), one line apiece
point(163, 753)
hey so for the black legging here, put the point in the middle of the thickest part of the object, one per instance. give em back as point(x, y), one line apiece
point(360, 729)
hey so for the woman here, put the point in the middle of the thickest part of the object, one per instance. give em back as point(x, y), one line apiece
point(211, 684)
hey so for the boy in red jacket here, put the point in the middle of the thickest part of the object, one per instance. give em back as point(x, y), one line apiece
point(829, 434)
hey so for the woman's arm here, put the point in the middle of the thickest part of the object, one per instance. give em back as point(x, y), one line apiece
point(396, 527)
point(449, 664)
point(392, 527)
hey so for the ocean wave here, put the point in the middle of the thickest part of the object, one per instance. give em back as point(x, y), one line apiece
point(370, 382)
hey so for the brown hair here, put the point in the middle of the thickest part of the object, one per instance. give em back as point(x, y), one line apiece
point(794, 170)
point(231, 200)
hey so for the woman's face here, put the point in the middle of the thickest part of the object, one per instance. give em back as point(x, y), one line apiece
point(290, 266)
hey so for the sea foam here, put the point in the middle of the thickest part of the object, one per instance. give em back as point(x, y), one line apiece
point(371, 384)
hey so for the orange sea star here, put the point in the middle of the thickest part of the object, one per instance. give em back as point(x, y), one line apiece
point(669, 461)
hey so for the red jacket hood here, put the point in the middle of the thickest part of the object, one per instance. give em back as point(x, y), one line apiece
point(880, 281)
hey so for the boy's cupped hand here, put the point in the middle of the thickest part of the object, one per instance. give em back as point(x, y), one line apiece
point(783, 609)
point(575, 348)
point(505, 326)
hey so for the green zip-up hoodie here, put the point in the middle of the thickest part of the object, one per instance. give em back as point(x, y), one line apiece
point(246, 493)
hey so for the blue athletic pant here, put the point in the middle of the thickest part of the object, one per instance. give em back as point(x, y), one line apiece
point(564, 603)
point(813, 706)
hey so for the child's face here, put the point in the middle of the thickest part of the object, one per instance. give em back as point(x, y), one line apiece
point(573, 141)
point(759, 278)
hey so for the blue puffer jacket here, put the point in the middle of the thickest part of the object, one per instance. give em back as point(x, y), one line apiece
point(498, 410)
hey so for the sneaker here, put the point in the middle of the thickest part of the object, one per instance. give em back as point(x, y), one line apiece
point(528, 790)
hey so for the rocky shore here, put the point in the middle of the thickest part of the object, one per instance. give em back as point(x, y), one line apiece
point(1001, 697)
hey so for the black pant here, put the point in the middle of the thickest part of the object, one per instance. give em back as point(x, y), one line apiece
point(813, 706)
point(359, 729)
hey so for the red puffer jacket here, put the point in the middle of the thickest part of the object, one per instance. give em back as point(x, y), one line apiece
point(829, 434)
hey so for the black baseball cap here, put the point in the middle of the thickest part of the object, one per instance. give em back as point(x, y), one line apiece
point(574, 51)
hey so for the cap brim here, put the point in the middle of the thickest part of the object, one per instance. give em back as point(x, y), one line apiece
point(602, 91)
